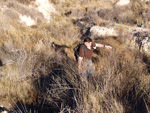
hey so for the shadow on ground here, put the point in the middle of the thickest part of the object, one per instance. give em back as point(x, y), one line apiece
point(55, 94)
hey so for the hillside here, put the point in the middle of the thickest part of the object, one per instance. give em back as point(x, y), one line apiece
point(38, 69)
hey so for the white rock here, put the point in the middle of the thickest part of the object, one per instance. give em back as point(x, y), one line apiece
point(45, 8)
point(145, 45)
point(102, 31)
point(4, 112)
point(122, 2)
point(27, 20)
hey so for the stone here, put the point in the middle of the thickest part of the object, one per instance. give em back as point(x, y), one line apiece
point(4, 112)
point(145, 45)
point(44, 7)
point(140, 41)
point(102, 31)
point(123, 2)
point(27, 20)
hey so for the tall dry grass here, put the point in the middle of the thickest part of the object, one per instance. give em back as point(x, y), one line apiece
point(23, 51)
point(117, 87)
point(36, 74)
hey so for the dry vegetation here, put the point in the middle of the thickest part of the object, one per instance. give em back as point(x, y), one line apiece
point(38, 77)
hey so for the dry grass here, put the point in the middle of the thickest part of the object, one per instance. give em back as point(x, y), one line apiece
point(116, 74)
point(24, 50)
point(35, 72)
point(109, 91)
point(13, 88)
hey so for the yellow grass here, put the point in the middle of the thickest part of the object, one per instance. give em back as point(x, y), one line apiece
point(27, 55)
point(15, 88)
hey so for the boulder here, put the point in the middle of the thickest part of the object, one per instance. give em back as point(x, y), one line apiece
point(141, 41)
point(145, 45)
point(4, 112)
point(102, 31)
point(122, 2)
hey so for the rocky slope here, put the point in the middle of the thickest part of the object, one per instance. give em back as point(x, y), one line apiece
point(38, 67)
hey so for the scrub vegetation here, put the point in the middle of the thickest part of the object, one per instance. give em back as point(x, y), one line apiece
point(38, 70)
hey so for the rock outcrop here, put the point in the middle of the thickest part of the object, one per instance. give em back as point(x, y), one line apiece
point(39, 11)
point(145, 45)
point(141, 41)
point(102, 31)
point(122, 2)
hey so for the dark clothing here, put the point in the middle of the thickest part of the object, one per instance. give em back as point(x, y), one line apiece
point(87, 54)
